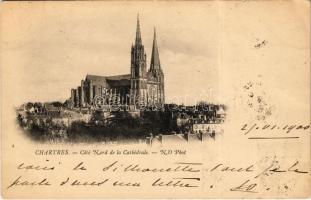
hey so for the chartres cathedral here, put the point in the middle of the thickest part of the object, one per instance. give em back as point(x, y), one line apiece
point(140, 87)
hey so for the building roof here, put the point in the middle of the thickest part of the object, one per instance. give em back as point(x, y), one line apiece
point(112, 81)
point(119, 77)
point(221, 111)
point(95, 78)
point(104, 78)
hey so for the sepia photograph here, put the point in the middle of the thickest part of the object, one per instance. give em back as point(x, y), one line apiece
point(128, 106)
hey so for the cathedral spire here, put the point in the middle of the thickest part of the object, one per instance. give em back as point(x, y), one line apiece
point(138, 34)
point(155, 60)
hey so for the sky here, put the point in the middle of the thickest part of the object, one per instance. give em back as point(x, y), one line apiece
point(58, 45)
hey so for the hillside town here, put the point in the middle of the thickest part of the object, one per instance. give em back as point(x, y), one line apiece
point(57, 122)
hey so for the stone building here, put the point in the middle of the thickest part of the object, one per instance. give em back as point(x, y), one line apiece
point(140, 87)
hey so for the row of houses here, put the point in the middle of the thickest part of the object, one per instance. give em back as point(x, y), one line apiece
point(201, 121)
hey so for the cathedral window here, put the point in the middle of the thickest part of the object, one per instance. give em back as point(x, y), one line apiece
point(94, 91)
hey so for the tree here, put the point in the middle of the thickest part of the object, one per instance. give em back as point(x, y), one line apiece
point(57, 104)
point(29, 105)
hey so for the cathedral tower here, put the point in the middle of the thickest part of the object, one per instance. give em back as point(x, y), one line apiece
point(155, 76)
point(138, 70)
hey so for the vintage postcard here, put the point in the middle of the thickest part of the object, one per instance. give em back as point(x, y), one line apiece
point(155, 99)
